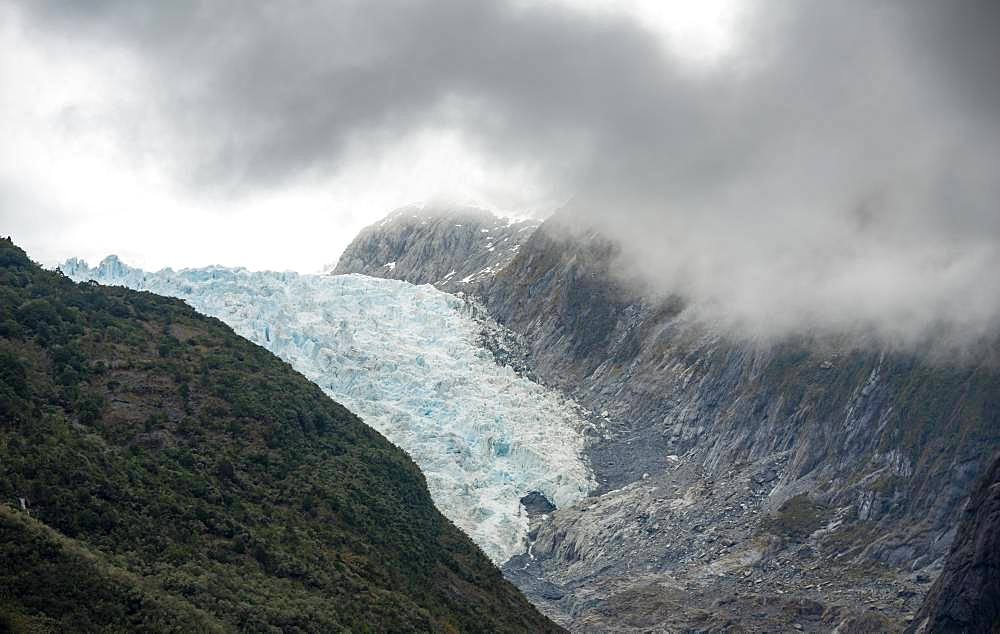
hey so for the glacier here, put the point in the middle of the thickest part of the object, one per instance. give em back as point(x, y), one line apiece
point(405, 359)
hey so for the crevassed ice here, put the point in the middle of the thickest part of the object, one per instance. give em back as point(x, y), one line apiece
point(405, 359)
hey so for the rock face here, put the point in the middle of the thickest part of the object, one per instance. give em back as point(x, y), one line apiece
point(535, 503)
point(966, 597)
point(810, 482)
point(454, 249)
point(888, 444)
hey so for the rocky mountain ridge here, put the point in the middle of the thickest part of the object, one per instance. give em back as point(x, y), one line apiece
point(453, 249)
point(746, 480)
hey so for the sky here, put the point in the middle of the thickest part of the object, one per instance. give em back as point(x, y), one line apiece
point(191, 133)
point(787, 166)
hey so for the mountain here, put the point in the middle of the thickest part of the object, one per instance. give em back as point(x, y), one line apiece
point(812, 482)
point(966, 597)
point(454, 249)
point(160, 473)
point(420, 366)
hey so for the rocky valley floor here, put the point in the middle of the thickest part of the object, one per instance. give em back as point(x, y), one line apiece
point(685, 552)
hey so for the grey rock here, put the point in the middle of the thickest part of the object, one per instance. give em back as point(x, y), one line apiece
point(535, 503)
point(885, 445)
point(454, 249)
point(966, 596)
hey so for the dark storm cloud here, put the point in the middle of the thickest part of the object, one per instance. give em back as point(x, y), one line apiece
point(263, 92)
point(839, 173)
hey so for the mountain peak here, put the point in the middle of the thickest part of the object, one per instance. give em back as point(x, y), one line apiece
point(453, 248)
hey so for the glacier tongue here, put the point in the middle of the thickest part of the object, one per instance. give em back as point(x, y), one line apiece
point(405, 359)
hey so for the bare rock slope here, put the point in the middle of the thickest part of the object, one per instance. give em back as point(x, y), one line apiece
point(812, 483)
point(745, 474)
point(454, 249)
point(966, 597)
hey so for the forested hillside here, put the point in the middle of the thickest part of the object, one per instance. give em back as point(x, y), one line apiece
point(159, 473)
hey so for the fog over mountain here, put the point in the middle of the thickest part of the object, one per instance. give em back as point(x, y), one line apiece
point(836, 171)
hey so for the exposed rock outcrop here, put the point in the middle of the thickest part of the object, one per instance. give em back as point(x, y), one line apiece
point(454, 249)
point(535, 503)
point(966, 597)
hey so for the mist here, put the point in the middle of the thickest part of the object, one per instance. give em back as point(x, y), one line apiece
point(843, 182)
point(835, 173)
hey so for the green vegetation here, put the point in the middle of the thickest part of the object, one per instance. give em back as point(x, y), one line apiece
point(70, 585)
point(849, 539)
point(179, 478)
point(797, 518)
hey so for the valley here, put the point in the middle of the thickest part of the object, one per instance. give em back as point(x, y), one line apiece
point(628, 467)
point(500, 316)
point(696, 479)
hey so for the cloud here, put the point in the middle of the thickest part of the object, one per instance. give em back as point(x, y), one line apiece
point(836, 171)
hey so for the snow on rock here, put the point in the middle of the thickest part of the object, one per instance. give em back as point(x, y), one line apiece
point(456, 249)
point(405, 359)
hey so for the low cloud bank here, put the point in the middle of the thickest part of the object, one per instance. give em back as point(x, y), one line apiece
point(838, 172)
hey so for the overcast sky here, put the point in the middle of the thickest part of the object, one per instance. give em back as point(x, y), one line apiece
point(785, 165)
point(267, 134)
